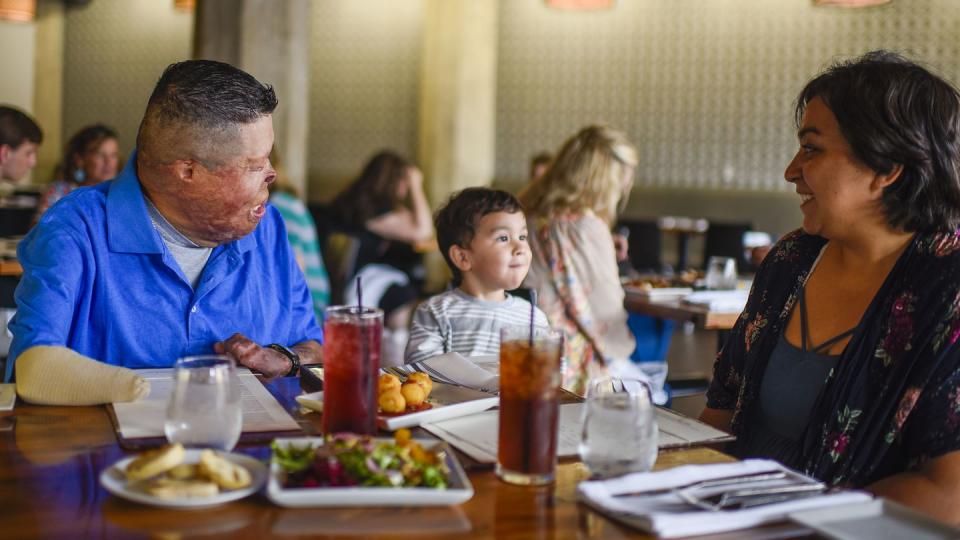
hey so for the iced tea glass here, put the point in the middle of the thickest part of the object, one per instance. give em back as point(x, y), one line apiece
point(529, 408)
point(351, 364)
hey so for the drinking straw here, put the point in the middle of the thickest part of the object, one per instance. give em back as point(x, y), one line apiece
point(527, 418)
point(359, 295)
point(533, 312)
point(364, 353)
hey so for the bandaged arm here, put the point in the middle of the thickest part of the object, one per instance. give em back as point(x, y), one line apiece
point(49, 375)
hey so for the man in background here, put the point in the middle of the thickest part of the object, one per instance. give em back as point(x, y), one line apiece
point(20, 138)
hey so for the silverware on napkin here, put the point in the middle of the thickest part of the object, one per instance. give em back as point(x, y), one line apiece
point(749, 498)
point(723, 481)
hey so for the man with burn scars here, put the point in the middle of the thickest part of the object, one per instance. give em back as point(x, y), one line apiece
point(179, 255)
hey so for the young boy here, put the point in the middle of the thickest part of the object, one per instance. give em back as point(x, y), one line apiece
point(482, 234)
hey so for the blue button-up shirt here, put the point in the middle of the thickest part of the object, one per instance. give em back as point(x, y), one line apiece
point(97, 278)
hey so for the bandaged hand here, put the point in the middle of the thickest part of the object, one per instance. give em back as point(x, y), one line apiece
point(51, 375)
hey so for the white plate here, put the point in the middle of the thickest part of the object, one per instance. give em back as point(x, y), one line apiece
point(458, 491)
point(448, 402)
point(114, 481)
point(878, 519)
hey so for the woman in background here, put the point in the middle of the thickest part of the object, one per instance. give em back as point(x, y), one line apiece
point(386, 209)
point(90, 157)
point(571, 209)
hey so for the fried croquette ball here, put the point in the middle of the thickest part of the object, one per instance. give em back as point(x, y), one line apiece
point(423, 380)
point(387, 383)
point(392, 402)
point(413, 393)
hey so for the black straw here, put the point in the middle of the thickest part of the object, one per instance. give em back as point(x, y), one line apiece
point(359, 295)
point(533, 312)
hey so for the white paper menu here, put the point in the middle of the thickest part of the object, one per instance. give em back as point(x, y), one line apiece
point(476, 435)
point(145, 418)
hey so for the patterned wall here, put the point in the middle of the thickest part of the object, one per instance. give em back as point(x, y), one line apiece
point(114, 53)
point(365, 67)
point(704, 87)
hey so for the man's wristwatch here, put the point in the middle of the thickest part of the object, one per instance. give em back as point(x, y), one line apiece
point(289, 353)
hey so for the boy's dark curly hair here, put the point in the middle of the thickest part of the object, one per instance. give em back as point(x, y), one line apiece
point(456, 221)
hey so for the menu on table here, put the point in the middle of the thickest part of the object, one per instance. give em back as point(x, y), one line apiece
point(145, 418)
point(476, 435)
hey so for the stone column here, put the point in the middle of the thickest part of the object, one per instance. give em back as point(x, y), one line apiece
point(48, 87)
point(458, 87)
point(270, 40)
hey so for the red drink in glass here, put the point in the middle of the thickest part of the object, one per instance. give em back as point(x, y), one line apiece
point(529, 406)
point(351, 365)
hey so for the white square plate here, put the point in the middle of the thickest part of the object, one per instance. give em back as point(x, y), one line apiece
point(448, 401)
point(458, 491)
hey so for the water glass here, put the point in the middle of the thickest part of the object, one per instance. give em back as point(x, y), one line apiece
point(619, 427)
point(529, 405)
point(721, 273)
point(204, 408)
point(351, 366)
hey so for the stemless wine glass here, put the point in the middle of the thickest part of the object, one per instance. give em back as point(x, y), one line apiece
point(619, 427)
point(204, 407)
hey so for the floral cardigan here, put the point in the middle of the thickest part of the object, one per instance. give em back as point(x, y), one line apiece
point(893, 399)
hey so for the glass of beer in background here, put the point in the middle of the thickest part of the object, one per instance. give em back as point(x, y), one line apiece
point(351, 365)
point(529, 408)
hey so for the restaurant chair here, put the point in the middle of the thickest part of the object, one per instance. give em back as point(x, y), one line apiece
point(321, 220)
point(340, 255)
point(726, 240)
point(644, 244)
point(16, 220)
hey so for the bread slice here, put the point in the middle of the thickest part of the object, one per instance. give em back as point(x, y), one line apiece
point(184, 471)
point(224, 472)
point(172, 488)
point(155, 462)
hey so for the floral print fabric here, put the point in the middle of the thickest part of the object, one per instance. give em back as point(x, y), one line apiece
point(893, 401)
point(574, 270)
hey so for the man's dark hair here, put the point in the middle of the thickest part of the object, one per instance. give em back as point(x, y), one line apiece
point(213, 96)
point(16, 127)
point(892, 111)
point(456, 222)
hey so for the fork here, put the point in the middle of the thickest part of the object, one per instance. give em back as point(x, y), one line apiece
point(711, 483)
point(749, 498)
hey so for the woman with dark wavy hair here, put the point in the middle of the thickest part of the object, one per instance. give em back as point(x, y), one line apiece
point(386, 209)
point(845, 363)
point(90, 157)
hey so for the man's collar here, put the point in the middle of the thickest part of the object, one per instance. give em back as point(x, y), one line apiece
point(129, 229)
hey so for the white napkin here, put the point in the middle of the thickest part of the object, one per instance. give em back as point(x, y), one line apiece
point(664, 516)
point(452, 368)
point(726, 301)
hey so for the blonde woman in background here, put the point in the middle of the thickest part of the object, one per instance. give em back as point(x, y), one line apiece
point(571, 209)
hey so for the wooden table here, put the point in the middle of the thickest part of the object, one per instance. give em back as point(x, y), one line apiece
point(51, 459)
point(676, 310)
